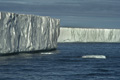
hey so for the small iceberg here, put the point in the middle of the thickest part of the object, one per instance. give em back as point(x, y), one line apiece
point(94, 56)
point(47, 53)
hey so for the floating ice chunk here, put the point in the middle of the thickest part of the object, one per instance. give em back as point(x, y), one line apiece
point(94, 56)
point(47, 53)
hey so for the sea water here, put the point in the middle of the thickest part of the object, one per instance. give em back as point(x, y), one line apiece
point(66, 63)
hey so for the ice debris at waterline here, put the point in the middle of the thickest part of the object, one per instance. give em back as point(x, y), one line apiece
point(89, 35)
point(94, 56)
point(47, 53)
point(20, 32)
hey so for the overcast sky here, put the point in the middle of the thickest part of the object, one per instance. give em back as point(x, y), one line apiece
point(73, 13)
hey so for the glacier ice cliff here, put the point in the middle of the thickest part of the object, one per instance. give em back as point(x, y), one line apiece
point(20, 32)
point(88, 35)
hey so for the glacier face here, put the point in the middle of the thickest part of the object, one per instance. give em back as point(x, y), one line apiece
point(89, 35)
point(20, 32)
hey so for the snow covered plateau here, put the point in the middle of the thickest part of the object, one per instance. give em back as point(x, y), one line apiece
point(21, 32)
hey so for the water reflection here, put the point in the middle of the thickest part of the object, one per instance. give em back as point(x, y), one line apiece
point(26, 55)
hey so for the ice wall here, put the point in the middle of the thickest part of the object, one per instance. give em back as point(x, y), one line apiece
point(89, 35)
point(20, 32)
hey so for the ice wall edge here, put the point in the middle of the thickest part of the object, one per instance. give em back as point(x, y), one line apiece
point(21, 32)
point(89, 35)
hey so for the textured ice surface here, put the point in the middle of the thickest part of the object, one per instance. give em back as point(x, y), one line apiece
point(89, 35)
point(19, 32)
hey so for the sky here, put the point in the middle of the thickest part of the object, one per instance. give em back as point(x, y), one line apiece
point(72, 13)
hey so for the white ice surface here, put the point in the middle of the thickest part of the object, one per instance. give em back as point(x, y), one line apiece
point(94, 56)
point(89, 35)
point(19, 32)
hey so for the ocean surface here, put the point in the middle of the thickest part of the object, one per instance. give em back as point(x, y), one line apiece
point(64, 64)
point(72, 13)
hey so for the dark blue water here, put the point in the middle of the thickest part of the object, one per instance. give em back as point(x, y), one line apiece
point(64, 64)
